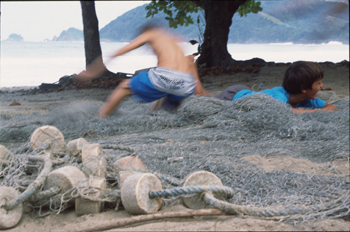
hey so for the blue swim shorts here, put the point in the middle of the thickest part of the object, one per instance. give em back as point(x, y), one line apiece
point(143, 90)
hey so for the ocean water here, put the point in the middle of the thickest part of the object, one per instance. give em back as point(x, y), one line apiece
point(33, 63)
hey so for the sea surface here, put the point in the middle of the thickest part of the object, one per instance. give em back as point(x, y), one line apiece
point(33, 63)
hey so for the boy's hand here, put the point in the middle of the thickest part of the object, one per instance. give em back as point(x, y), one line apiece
point(327, 107)
point(94, 70)
point(299, 111)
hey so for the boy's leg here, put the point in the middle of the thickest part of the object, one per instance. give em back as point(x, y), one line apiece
point(172, 102)
point(231, 91)
point(115, 98)
point(158, 104)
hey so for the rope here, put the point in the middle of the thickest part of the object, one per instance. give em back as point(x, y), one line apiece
point(45, 194)
point(34, 185)
point(259, 212)
point(191, 190)
point(116, 147)
point(39, 149)
point(171, 180)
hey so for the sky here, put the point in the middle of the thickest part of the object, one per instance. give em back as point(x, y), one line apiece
point(40, 20)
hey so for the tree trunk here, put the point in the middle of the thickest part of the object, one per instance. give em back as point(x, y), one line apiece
point(218, 17)
point(91, 32)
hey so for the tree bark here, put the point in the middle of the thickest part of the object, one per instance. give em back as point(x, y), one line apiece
point(218, 17)
point(91, 33)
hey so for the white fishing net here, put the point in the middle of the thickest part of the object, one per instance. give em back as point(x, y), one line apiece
point(256, 145)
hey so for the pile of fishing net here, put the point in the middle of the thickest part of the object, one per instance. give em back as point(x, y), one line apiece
point(257, 146)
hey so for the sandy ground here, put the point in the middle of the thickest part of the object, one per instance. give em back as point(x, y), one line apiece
point(336, 78)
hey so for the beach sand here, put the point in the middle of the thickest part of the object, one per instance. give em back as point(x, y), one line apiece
point(336, 80)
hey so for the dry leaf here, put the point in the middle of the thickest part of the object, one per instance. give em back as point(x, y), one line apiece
point(14, 103)
point(88, 133)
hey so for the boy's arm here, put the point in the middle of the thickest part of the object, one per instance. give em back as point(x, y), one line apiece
point(199, 88)
point(94, 70)
point(326, 107)
point(97, 67)
point(136, 43)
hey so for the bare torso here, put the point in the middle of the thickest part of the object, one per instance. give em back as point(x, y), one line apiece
point(168, 53)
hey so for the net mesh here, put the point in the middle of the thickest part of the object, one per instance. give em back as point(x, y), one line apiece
point(255, 145)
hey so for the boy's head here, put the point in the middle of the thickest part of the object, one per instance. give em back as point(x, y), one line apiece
point(148, 25)
point(301, 75)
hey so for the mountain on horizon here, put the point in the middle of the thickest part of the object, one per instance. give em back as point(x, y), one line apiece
point(296, 21)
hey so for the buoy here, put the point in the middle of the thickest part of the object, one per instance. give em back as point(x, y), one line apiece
point(126, 167)
point(66, 178)
point(9, 218)
point(95, 166)
point(129, 163)
point(48, 135)
point(196, 179)
point(75, 146)
point(134, 194)
point(89, 150)
point(85, 206)
point(122, 176)
point(4, 152)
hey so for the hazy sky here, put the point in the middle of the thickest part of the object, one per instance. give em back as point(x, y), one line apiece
point(40, 20)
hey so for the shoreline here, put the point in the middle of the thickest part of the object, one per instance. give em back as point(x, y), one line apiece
point(247, 65)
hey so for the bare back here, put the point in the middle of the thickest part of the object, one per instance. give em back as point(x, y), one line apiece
point(168, 53)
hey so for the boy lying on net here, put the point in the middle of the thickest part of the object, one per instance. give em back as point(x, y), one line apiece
point(301, 82)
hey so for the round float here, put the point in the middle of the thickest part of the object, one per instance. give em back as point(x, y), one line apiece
point(4, 152)
point(126, 167)
point(9, 218)
point(134, 194)
point(90, 150)
point(75, 146)
point(48, 135)
point(129, 163)
point(66, 178)
point(200, 178)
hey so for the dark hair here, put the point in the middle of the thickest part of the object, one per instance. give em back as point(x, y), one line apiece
point(301, 75)
point(148, 25)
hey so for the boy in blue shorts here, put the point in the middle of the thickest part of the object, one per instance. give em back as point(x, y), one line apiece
point(174, 79)
point(301, 82)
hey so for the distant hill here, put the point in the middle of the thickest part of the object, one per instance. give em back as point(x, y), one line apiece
point(124, 28)
point(15, 37)
point(297, 21)
point(72, 34)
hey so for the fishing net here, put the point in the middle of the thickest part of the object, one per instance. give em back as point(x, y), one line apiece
point(255, 145)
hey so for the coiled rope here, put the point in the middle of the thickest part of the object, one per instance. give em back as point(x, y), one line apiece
point(116, 147)
point(191, 190)
point(263, 212)
point(227, 207)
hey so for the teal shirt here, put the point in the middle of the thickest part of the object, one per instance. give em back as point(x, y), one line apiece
point(280, 94)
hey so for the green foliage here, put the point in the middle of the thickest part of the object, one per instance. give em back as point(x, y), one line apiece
point(176, 11)
point(249, 6)
point(182, 8)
